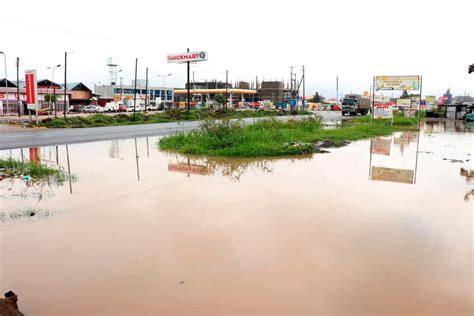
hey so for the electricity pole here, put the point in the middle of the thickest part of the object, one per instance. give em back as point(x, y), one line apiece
point(135, 88)
point(18, 86)
point(226, 83)
point(65, 84)
point(189, 93)
point(146, 90)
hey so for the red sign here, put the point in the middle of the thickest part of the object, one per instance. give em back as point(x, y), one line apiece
point(30, 78)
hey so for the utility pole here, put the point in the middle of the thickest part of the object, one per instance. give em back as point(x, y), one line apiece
point(135, 88)
point(226, 89)
point(337, 88)
point(18, 86)
point(189, 93)
point(121, 89)
point(65, 84)
point(146, 90)
point(304, 88)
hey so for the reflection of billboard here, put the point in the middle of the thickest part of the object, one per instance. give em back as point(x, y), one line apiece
point(381, 146)
point(404, 139)
point(408, 83)
point(188, 168)
point(393, 175)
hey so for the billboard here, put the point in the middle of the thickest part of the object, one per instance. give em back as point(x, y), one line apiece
point(404, 102)
point(187, 57)
point(393, 175)
point(430, 102)
point(408, 83)
point(383, 111)
point(31, 89)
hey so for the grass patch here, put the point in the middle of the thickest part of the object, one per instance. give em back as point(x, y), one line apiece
point(173, 115)
point(11, 168)
point(274, 137)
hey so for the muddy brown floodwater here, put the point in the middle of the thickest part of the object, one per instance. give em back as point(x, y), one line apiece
point(379, 227)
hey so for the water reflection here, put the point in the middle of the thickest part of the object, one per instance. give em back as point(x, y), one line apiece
point(388, 168)
point(231, 168)
point(38, 189)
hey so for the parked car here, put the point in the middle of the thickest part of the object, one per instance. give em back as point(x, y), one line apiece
point(151, 107)
point(99, 109)
point(83, 108)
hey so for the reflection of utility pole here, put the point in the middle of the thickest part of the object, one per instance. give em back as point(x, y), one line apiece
point(136, 156)
point(68, 169)
point(147, 148)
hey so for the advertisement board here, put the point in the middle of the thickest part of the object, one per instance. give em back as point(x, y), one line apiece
point(393, 175)
point(408, 83)
point(185, 57)
point(31, 89)
point(415, 102)
point(403, 102)
point(430, 102)
point(383, 111)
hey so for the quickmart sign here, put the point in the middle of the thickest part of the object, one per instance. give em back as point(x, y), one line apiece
point(187, 57)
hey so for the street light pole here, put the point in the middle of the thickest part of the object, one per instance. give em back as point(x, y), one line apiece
point(135, 89)
point(6, 84)
point(18, 86)
point(54, 93)
point(65, 82)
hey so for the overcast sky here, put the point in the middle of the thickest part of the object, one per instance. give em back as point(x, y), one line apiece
point(354, 40)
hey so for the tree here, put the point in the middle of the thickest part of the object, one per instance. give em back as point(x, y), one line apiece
point(220, 98)
point(317, 98)
point(50, 98)
point(405, 95)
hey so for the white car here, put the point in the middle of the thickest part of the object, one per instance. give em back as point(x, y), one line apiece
point(151, 107)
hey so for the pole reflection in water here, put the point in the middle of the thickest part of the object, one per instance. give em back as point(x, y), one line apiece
point(69, 169)
point(57, 156)
point(22, 156)
point(147, 148)
point(136, 156)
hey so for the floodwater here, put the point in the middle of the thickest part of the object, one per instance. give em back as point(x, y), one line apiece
point(379, 227)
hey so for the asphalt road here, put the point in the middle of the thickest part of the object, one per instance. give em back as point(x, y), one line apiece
point(14, 137)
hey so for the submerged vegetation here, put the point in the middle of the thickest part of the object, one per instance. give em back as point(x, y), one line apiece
point(173, 115)
point(273, 137)
point(11, 168)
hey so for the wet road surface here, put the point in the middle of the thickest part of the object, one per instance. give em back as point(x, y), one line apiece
point(18, 138)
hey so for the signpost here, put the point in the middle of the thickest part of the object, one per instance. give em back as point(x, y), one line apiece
point(188, 58)
point(31, 92)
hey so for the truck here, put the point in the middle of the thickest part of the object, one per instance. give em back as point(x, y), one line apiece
point(355, 103)
point(113, 106)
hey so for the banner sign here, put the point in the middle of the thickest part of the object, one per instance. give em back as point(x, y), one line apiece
point(381, 146)
point(404, 102)
point(415, 102)
point(383, 110)
point(407, 83)
point(31, 89)
point(392, 175)
point(430, 102)
point(185, 57)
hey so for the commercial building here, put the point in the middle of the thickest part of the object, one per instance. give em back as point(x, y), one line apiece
point(127, 92)
point(45, 87)
point(80, 94)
